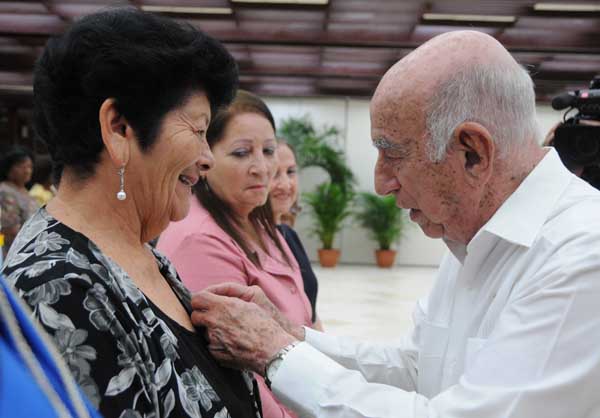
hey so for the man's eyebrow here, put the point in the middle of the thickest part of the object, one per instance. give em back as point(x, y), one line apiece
point(384, 144)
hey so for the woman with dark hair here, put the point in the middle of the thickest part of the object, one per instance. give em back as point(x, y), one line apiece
point(284, 201)
point(123, 100)
point(230, 234)
point(16, 205)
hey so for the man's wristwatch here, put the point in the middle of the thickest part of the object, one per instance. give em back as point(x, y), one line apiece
point(275, 362)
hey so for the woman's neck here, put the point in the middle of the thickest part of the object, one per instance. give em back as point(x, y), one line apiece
point(91, 209)
point(251, 232)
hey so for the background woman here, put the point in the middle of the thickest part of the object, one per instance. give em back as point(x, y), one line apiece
point(284, 197)
point(16, 168)
point(123, 100)
point(230, 234)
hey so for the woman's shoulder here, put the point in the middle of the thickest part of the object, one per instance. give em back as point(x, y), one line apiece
point(45, 250)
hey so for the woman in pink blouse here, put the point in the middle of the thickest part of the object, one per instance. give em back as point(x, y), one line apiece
point(229, 234)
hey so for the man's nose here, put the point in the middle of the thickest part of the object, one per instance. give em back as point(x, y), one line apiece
point(385, 181)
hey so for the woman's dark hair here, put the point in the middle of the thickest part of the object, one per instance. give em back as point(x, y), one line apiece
point(12, 157)
point(260, 217)
point(42, 170)
point(147, 63)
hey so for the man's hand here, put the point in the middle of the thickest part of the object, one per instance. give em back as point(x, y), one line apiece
point(256, 295)
point(241, 334)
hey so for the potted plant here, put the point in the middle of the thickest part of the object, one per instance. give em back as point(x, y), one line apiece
point(330, 206)
point(318, 148)
point(385, 222)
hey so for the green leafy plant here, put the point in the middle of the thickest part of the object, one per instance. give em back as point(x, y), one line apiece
point(330, 206)
point(316, 149)
point(381, 217)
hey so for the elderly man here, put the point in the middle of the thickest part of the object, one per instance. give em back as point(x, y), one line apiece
point(511, 327)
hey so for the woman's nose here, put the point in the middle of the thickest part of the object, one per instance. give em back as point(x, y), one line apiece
point(259, 166)
point(206, 160)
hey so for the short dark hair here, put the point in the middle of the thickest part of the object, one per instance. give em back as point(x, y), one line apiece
point(262, 216)
point(12, 157)
point(42, 170)
point(149, 64)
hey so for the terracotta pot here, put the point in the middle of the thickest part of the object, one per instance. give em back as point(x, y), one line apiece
point(329, 258)
point(385, 258)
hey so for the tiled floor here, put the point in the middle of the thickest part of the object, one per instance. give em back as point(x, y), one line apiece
point(369, 302)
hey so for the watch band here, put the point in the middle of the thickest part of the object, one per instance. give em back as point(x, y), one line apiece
point(276, 360)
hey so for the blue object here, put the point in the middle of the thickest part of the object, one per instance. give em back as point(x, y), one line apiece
point(21, 395)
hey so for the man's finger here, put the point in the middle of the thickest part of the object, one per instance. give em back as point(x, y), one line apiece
point(230, 289)
point(204, 300)
point(201, 318)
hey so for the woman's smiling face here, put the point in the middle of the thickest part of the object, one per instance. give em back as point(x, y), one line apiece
point(284, 191)
point(165, 175)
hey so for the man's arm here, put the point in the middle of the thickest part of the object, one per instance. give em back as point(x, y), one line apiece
point(541, 359)
point(393, 363)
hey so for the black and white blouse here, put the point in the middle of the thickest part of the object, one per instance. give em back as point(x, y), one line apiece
point(129, 358)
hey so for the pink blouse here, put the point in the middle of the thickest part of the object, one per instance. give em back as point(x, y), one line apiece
point(204, 254)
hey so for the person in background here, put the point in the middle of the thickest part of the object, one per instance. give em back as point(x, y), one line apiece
point(16, 206)
point(123, 100)
point(284, 198)
point(34, 379)
point(230, 233)
point(42, 189)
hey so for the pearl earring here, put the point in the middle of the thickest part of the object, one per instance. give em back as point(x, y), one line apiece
point(122, 195)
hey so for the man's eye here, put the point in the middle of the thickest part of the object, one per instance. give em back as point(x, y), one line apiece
point(393, 155)
point(269, 151)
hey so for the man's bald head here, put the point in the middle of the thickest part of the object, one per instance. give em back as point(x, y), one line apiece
point(467, 73)
point(439, 58)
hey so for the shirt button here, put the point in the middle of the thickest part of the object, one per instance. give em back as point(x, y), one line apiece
point(293, 290)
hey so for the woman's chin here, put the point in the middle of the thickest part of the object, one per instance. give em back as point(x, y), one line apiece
point(181, 209)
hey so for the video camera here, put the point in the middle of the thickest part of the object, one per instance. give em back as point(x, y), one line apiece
point(577, 143)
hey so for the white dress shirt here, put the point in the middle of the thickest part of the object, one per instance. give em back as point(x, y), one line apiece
point(511, 327)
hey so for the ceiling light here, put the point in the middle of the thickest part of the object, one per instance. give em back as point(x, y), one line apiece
point(293, 2)
point(16, 87)
point(188, 10)
point(469, 18)
point(564, 7)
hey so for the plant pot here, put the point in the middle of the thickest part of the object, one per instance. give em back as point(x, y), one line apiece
point(329, 258)
point(385, 258)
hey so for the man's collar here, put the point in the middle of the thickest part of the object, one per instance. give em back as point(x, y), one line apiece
point(521, 217)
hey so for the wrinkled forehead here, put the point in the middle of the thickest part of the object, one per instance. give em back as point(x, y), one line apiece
point(395, 118)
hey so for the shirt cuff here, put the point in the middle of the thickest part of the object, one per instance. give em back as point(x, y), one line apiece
point(304, 398)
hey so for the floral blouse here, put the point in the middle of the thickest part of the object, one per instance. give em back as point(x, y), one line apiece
point(123, 352)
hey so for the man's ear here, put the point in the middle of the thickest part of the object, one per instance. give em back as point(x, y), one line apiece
point(476, 149)
point(116, 133)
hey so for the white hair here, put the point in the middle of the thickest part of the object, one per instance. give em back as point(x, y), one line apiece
point(499, 98)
